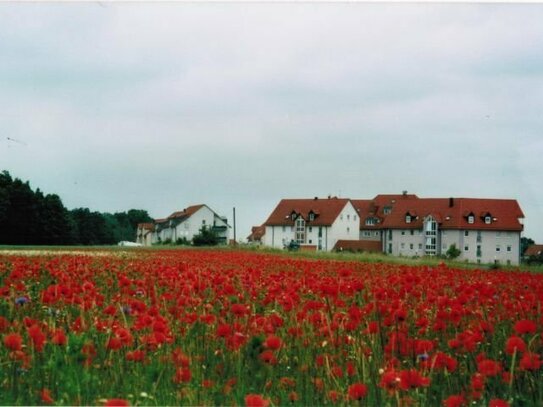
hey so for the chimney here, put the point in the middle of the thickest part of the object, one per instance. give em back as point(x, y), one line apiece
point(451, 202)
point(316, 198)
point(404, 193)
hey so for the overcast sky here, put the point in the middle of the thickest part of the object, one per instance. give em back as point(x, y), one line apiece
point(159, 106)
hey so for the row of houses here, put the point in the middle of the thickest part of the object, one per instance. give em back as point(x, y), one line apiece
point(484, 230)
point(183, 226)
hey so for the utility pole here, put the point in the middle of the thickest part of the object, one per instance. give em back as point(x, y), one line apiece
point(235, 241)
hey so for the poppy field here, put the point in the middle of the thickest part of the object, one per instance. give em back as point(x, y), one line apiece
point(202, 327)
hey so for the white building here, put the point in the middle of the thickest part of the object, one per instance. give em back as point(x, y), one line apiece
point(184, 225)
point(315, 224)
point(484, 230)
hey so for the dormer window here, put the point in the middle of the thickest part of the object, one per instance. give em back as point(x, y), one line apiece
point(471, 219)
point(311, 216)
point(293, 216)
point(488, 220)
point(387, 210)
point(407, 218)
point(371, 221)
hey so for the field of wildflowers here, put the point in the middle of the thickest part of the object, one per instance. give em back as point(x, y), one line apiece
point(236, 328)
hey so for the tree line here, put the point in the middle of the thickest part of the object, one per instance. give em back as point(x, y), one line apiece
point(29, 217)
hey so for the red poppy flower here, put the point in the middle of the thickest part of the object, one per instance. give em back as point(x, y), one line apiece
point(37, 336)
point(489, 367)
point(525, 326)
point(116, 403)
point(59, 337)
point(268, 357)
point(412, 379)
point(182, 375)
point(530, 361)
point(273, 342)
point(515, 344)
point(455, 400)
point(357, 391)
point(256, 400)
point(45, 396)
point(13, 342)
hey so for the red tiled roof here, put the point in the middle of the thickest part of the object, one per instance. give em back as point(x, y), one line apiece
point(505, 213)
point(147, 226)
point(358, 245)
point(534, 250)
point(256, 233)
point(187, 212)
point(161, 220)
point(326, 210)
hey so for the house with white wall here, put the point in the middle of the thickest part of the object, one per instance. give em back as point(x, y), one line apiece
point(144, 233)
point(185, 224)
point(484, 230)
point(315, 224)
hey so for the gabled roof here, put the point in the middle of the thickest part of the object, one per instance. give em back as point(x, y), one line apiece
point(534, 250)
point(256, 233)
point(326, 211)
point(452, 213)
point(146, 226)
point(186, 213)
point(374, 208)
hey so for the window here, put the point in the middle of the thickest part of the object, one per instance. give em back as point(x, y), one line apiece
point(498, 248)
point(411, 232)
point(293, 216)
point(390, 234)
point(411, 246)
point(471, 219)
point(372, 221)
point(376, 233)
point(407, 218)
point(488, 220)
point(387, 210)
point(348, 229)
point(479, 237)
point(310, 241)
point(466, 232)
point(466, 248)
point(348, 217)
point(203, 222)
point(311, 216)
point(508, 247)
point(479, 251)
point(366, 233)
point(300, 230)
point(310, 228)
point(320, 231)
point(403, 232)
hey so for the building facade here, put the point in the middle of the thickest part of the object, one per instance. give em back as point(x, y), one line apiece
point(184, 225)
point(315, 224)
point(484, 230)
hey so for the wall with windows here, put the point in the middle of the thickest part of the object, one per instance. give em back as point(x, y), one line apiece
point(345, 227)
point(490, 246)
point(367, 234)
point(404, 242)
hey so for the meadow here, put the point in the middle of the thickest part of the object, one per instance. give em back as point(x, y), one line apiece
point(227, 327)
